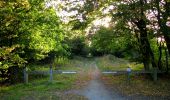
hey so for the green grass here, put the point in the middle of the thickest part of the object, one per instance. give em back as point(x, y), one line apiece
point(39, 88)
point(139, 85)
point(38, 67)
point(112, 63)
point(136, 66)
point(76, 64)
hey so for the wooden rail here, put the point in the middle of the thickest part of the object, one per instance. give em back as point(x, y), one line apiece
point(133, 72)
point(54, 72)
point(153, 73)
point(50, 72)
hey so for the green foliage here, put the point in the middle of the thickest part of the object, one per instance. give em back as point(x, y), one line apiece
point(29, 32)
point(44, 34)
point(78, 25)
point(134, 17)
point(78, 46)
point(60, 61)
point(102, 40)
point(108, 41)
point(112, 63)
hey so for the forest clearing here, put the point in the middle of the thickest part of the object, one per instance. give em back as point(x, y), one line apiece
point(88, 83)
point(85, 49)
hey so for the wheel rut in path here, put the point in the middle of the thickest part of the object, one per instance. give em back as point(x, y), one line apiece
point(95, 89)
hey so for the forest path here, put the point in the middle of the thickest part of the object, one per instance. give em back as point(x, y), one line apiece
point(93, 85)
point(95, 89)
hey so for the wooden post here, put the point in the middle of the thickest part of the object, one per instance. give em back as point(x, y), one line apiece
point(25, 75)
point(51, 74)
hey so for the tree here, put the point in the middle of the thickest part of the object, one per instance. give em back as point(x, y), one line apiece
point(133, 12)
point(29, 32)
point(163, 14)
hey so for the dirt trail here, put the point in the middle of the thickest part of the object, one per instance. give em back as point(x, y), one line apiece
point(95, 89)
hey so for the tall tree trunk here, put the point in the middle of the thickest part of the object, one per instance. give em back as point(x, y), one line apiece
point(143, 46)
point(147, 51)
point(167, 37)
point(160, 57)
point(166, 54)
point(166, 29)
point(162, 21)
point(148, 56)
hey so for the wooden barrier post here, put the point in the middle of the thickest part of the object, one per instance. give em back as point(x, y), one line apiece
point(25, 75)
point(51, 74)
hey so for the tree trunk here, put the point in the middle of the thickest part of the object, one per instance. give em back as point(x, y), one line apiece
point(160, 57)
point(145, 48)
point(145, 45)
point(167, 39)
point(166, 54)
point(162, 21)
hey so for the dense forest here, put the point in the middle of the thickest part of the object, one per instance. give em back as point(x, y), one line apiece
point(39, 31)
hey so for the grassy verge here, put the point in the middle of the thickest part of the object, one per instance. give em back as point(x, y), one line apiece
point(112, 63)
point(139, 85)
point(76, 64)
point(39, 87)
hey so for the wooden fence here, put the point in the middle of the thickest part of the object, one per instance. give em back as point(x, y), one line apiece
point(153, 73)
point(50, 73)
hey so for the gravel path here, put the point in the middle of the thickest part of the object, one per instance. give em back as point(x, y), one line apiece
point(95, 89)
